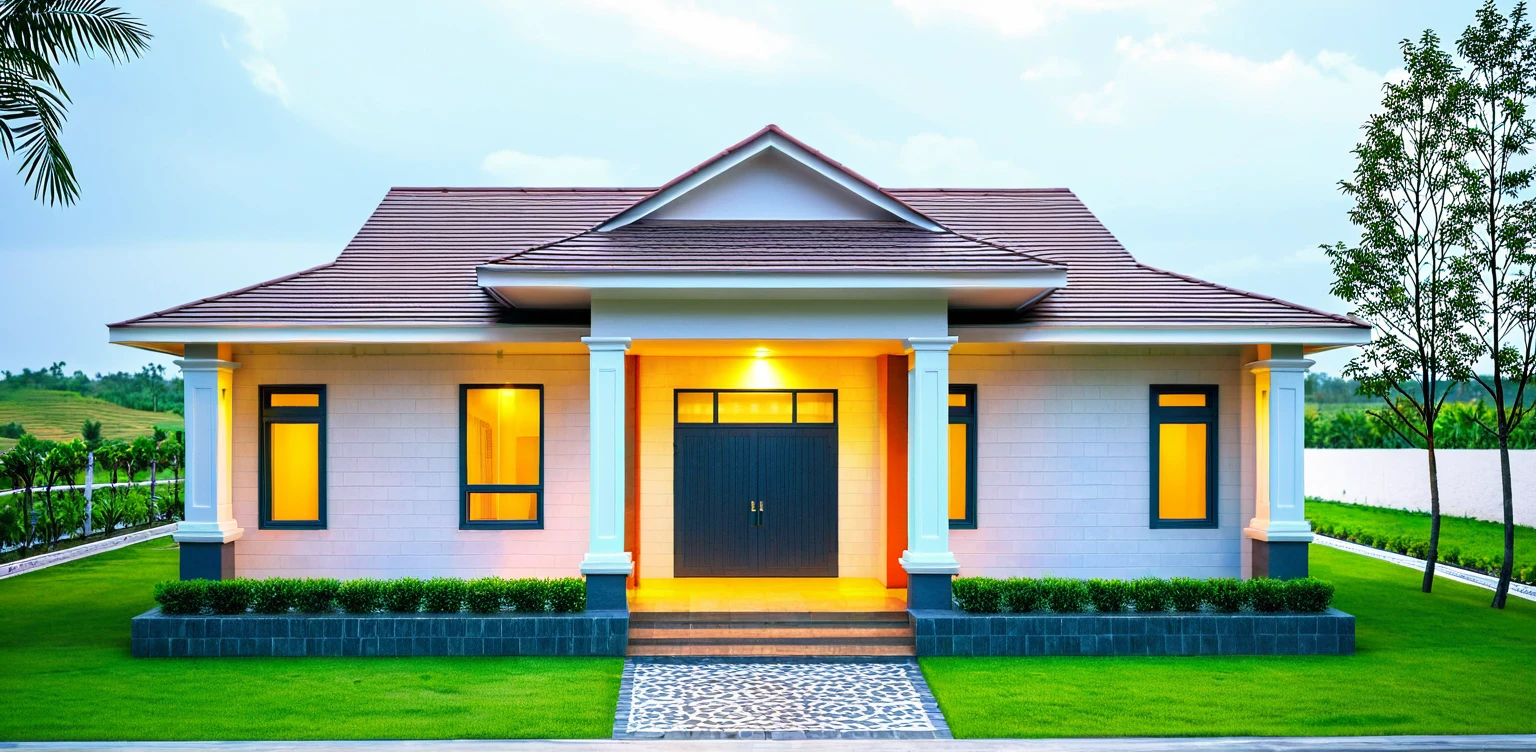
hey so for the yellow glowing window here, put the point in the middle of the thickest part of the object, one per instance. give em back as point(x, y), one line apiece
point(503, 440)
point(756, 407)
point(962, 456)
point(695, 407)
point(292, 457)
point(814, 407)
point(1184, 456)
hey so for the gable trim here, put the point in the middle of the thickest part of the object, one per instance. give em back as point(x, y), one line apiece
point(770, 137)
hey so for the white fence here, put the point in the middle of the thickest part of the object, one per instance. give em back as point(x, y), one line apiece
point(1399, 478)
point(80, 486)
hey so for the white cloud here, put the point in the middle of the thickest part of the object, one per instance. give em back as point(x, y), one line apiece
point(677, 31)
point(1051, 68)
point(932, 159)
point(1022, 18)
point(517, 168)
point(263, 22)
point(1161, 76)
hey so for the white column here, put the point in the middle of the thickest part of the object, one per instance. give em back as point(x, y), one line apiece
point(209, 412)
point(605, 549)
point(928, 458)
point(1279, 396)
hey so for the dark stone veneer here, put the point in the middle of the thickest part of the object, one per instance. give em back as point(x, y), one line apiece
point(957, 633)
point(156, 635)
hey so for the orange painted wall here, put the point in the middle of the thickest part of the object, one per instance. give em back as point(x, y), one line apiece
point(892, 379)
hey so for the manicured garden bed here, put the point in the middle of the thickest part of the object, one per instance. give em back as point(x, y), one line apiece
point(1442, 663)
point(944, 633)
point(1468, 543)
point(64, 643)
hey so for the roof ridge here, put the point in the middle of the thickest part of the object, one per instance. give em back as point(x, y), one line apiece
point(220, 296)
point(1256, 295)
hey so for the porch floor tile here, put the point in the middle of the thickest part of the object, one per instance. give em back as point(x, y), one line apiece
point(752, 594)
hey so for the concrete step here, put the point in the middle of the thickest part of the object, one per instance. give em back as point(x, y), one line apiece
point(770, 650)
point(776, 632)
point(764, 633)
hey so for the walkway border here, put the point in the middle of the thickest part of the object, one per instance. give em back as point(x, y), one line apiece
point(1490, 743)
point(43, 561)
point(1442, 569)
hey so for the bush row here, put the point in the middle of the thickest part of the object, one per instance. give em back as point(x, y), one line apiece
point(407, 595)
point(985, 595)
point(1419, 549)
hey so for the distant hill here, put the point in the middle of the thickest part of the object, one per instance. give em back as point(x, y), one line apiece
point(57, 416)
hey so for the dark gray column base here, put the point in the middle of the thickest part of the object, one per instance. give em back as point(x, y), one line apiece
point(1282, 561)
point(208, 561)
point(929, 591)
point(605, 592)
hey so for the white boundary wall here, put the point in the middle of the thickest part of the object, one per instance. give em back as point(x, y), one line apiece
point(1399, 478)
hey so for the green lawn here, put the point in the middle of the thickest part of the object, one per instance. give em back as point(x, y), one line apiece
point(1473, 537)
point(1425, 664)
point(65, 674)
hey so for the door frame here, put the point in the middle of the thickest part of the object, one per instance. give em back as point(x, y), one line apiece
point(678, 569)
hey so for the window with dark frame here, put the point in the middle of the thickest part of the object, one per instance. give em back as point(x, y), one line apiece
point(755, 406)
point(1184, 455)
point(962, 456)
point(501, 456)
point(291, 457)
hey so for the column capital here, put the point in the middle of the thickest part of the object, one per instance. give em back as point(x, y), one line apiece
point(929, 344)
point(606, 344)
point(205, 364)
point(1280, 365)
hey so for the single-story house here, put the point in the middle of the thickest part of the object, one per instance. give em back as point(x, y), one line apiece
point(769, 366)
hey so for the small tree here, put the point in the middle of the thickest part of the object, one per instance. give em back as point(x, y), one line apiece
point(1399, 276)
point(22, 465)
point(91, 432)
point(1498, 263)
point(170, 454)
point(142, 457)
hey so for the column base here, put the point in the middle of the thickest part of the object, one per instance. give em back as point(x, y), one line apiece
point(1285, 560)
point(606, 592)
point(208, 561)
point(929, 592)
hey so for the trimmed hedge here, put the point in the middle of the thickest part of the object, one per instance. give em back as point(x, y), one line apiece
point(1418, 548)
point(441, 595)
point(985, 595)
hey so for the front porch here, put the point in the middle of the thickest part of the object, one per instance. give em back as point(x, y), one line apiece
point(766, 595)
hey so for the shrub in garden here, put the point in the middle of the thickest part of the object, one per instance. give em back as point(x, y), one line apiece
point(485, 595)
point(181, 596)
point(1186, 593)
point(403, 596)
point(1225, 594)
point(1451, 556)
point(273, 596)
point(976, 595)
point(316, 595)
point(1065, 596)
point(1150, 594)
point(229, 596)
point(1308, 595)
point(527, 596)
point(567, 595)
point(1109, 596)
point(444, 595)
point(1267, 596)
point(1021, 595)
point(360, 596)
point(1419, 549)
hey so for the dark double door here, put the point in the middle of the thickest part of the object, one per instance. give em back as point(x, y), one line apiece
point(755, 501)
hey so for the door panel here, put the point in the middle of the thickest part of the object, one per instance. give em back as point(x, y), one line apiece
point(713, 489)
point(797, 488)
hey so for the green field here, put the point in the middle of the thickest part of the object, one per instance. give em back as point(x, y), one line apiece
point(1444, 663)
point(68, 676)
point(58, 416)
point(1474, 537)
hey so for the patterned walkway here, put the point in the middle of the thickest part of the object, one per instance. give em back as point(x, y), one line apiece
point(682, 698)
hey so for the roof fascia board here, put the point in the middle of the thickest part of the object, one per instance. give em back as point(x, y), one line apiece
point(768, 140)
point(140, 336)
point(1329, 336)
point(503, 277)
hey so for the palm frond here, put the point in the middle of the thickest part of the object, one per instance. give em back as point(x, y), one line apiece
point(32, 116)
point(66, 29)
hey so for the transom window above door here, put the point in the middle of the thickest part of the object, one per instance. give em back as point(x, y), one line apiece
point(756, 406)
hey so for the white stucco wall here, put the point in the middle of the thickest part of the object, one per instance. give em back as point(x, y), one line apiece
point(392, 438)
point(1399, 478)
point(859, 508)
point(1063, 473)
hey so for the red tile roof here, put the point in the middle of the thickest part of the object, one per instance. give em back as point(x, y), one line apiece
point(413, 262)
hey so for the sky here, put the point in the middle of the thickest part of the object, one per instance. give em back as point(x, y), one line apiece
point(255, 137)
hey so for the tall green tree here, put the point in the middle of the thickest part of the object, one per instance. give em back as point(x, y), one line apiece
point(1498, 218)
point(36, 36)
point(1398, 277)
